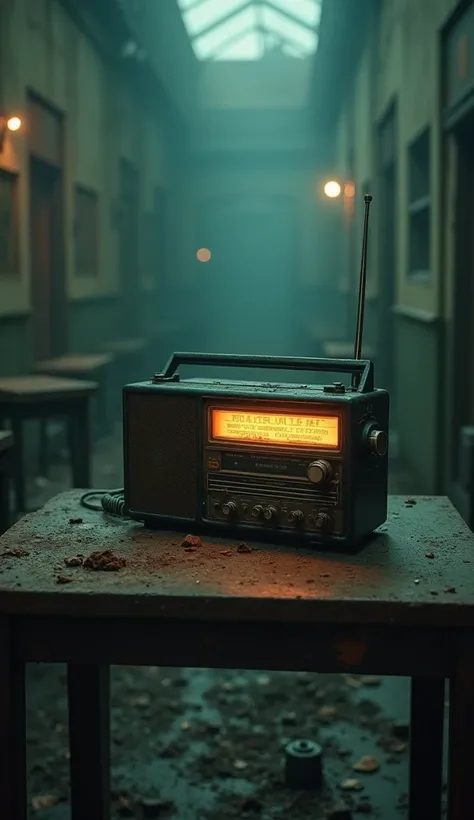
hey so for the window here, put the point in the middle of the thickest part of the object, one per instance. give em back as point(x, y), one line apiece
point(9, 261)
point(86, 232)
point(419, 208)
point(249, 29)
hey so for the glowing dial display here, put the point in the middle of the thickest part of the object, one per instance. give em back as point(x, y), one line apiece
point(285, 429)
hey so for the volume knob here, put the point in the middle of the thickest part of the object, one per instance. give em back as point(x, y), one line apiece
point(270, 514)
point(378, 442)
point(229, 509)
point(319, 472)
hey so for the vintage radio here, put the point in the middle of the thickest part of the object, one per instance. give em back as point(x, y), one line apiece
point(260, 459)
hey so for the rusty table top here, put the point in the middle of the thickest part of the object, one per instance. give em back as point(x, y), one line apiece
point(417, 570)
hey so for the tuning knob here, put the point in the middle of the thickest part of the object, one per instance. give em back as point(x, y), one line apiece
point(229, 508)
point(319, 472)
point(295, 516)
point(257, 511)
point(322, 521)
point(270, 513)
point(378, 442)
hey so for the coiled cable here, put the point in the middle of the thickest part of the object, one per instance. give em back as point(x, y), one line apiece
point(111, 501)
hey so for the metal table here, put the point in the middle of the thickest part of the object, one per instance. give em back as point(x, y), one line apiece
point(403, 605)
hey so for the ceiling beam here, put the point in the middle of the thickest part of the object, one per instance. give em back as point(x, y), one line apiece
point(289, 15)
point(222, 20)
point(231, 41)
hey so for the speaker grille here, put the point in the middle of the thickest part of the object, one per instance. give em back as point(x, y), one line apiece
point(162, 434)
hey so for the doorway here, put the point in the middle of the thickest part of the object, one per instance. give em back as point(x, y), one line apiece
point(47, 260)
point(252, 278)
point(129, 265)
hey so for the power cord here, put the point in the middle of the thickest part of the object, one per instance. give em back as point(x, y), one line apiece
point(111, 501)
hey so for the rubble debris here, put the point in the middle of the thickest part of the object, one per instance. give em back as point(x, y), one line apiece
point(191, 542)
point(351, 785)
point(327, 711)
point(370, 680)
point(63, 579)
point(74, 561)
point(155, 808)
point(367, 764)
point(450, 589)
point(244, 548)
point(44, 801)
point(17, 553)
point(429, 554)
point(410, 502)
point(105, 560)
point(76, 520)
point(340, 812)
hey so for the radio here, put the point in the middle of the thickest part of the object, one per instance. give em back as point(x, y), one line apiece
point(307, 463)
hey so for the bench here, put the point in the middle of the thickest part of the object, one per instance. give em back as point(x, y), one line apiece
point(40, 398)
point(6, 442)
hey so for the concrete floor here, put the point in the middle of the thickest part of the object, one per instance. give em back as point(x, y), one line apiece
point(138, 766)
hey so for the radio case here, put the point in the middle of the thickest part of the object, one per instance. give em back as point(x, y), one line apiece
point(231, 458)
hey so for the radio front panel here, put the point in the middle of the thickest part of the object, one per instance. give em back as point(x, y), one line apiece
point(274, 469)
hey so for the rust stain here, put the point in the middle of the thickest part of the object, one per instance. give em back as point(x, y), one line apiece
point(351, 653)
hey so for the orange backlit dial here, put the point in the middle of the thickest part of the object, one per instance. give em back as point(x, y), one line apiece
point(276, 428)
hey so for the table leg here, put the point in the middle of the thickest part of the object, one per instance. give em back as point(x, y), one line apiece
point(4, 494)
point(18, 463)
point(461, 732)
point(426, 748)
point(89, 741)
point(80, 445)
point(13, 789)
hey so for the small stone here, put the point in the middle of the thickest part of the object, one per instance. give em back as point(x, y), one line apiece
point(155, 807)
point(63, 579)
point(327, 711)
point(351, 785)
point(240, 765)
point(244, 548)
point(76, 520)
point(191, 542)
point(340, 812)
point(74, 561)
point(367, 764)
point(429, 554)
point(370, 680)
point(450, 589)
point(44, 801)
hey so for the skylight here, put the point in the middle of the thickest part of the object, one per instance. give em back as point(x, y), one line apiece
point(250, 29)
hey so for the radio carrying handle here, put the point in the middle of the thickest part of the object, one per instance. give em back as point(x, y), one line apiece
point(362, 368)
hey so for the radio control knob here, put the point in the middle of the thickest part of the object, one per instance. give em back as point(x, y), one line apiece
point(257, 511)
point(322, 521)
point(319, 472)
point(229, 508)
point(378, 442)
point(295, 516)
point(270, 513)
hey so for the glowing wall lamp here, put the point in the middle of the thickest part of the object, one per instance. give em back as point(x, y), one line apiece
point(332, 189)
point(12, 124)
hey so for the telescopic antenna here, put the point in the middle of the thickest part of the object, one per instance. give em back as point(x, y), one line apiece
point(362, 286)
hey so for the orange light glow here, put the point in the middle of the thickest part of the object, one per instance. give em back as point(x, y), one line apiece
point(349, 190)
point(276, 428)
point(14, 124)
point(203, 255)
